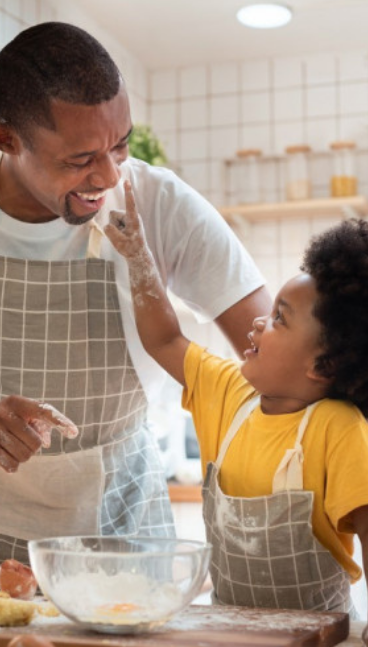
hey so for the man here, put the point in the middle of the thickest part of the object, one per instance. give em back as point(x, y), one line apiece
point(67, 330)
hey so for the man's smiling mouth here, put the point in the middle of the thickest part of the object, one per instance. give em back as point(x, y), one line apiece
point(91, 197)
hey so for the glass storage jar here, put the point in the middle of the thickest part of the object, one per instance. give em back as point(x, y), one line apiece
point(297, 183)
point(249, 176)
point(343, 180)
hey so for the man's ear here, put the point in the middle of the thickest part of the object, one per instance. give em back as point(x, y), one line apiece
point(9, 139)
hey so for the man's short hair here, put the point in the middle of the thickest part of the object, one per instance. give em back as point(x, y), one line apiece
point(52, 60)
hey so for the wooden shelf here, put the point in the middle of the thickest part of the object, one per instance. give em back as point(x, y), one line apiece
point(321, 208)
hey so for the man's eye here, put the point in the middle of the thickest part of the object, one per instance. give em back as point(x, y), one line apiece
point(81, 165)
point(121, 146)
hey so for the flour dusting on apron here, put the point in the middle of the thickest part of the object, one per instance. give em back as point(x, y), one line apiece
point(264, 551)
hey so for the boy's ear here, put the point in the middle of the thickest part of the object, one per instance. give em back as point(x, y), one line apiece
point(9, 139)
point(315, 376)
point(325, 373)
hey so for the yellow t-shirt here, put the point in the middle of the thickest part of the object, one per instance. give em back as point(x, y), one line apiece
point(335, 448)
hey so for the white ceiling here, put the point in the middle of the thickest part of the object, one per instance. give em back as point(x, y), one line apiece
point(171, 33)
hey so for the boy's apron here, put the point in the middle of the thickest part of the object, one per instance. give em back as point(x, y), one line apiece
point(264, 551)
point(62, 342)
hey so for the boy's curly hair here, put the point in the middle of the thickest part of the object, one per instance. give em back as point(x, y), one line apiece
point(338, 261)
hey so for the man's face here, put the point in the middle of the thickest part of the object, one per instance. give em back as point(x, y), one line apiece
point(69, 170)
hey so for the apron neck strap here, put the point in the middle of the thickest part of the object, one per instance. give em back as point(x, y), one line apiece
point(94, 240)
point(289, 474)
point(241, 415)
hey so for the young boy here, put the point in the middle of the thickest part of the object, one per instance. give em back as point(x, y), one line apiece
point(283, 437)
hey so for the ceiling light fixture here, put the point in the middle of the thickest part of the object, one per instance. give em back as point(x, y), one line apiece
point(264, 16)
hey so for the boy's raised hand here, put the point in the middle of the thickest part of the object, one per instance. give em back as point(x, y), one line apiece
point(125, 230)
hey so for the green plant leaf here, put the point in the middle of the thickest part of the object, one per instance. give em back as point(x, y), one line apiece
point(145, 145)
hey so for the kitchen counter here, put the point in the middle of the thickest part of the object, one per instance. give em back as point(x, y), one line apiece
point(209, 626)
point(355, 633)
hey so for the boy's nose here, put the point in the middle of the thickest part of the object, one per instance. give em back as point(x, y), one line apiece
point(259, 323)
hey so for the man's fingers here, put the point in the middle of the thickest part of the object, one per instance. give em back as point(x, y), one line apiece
point(43, 429)
point(18, 439)
point(7, 462)
point(16, 410)
point(54, 419)
point(25, 425)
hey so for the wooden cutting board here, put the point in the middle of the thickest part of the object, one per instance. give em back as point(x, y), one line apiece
point(204, 626)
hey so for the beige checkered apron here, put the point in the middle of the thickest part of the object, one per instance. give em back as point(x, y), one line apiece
point(62, 342)
point(264, 550)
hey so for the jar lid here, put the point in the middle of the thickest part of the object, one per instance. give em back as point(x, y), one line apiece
point(249, 152)
point(342, 144)
point(298, 148)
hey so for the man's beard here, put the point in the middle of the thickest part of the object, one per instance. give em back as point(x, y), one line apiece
point(70, 217)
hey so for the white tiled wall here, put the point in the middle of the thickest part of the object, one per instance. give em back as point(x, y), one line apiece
point(267, 104)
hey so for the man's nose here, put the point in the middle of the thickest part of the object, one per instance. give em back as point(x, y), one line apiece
point(106, 174)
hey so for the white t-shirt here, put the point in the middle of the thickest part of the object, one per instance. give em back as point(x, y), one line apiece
point(198, 256)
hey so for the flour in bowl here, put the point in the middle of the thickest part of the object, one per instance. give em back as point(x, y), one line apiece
point(124, 598)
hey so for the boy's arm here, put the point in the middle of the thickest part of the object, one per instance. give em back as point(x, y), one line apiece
point(157, 323)
point(359, 518)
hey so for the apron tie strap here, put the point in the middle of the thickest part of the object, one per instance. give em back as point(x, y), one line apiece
point(289, 474)
point(94, 240)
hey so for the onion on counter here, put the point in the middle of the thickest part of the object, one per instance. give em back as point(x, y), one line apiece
point(17, 580)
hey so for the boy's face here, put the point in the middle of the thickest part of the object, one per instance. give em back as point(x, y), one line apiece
point(285, 344)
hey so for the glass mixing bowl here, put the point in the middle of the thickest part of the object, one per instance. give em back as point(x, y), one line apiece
point(119, 585)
